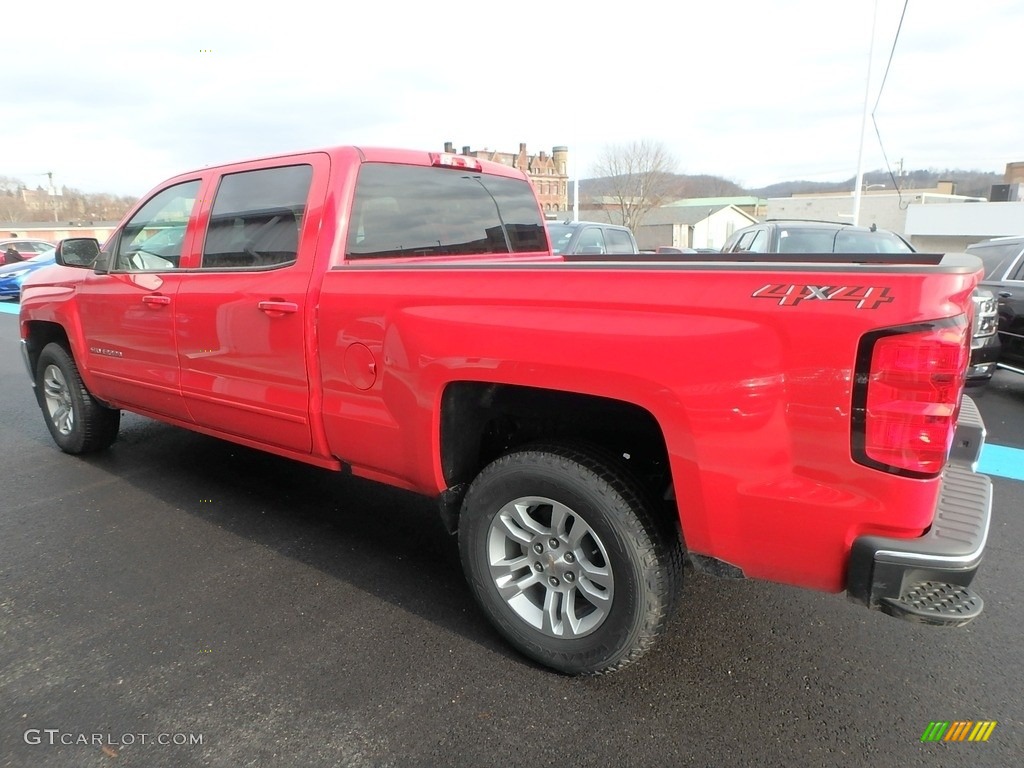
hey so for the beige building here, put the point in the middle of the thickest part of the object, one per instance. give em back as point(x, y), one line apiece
point(885, 208)
point(1014, 173)
point(549, 173)
point(933, 220)
point(691, 226)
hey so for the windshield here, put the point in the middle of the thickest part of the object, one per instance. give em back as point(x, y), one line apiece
point(815, 240)
point(996, 258)
point(560, 235)
point(870, 242)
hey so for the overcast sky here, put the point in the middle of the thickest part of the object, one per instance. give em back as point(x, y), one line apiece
point(114, 96)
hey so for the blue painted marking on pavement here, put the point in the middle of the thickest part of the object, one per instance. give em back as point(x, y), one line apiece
point(9, 307)
point(1003, 461)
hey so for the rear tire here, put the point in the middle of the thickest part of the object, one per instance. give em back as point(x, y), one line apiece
point(566, 558)
point(77, 422)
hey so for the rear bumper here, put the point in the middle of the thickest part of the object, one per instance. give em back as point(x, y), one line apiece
point(884, 570)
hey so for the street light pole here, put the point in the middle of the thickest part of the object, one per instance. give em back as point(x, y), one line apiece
point(575, 186)
point(53, 194)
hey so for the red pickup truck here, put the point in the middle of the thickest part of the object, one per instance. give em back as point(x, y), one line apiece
point(587, 428)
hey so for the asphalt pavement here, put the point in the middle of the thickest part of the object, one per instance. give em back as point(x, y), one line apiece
point(181, 601)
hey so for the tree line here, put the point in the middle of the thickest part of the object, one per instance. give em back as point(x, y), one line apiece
point(22, 203)
point(638, 176)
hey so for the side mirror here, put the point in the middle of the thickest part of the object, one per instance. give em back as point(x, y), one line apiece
point(77, 252)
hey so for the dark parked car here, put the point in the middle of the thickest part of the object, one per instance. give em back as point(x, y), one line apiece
point(795, 236)
point(1003, 258)
point(590, 238)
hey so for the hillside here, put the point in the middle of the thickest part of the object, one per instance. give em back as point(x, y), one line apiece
point(971, 183)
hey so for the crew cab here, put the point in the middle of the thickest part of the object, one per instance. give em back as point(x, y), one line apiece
point(801, 236)
point(400, 316)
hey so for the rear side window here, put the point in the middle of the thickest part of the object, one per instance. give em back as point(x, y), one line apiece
point(760, 242)
point(560, 235)
point(31, 247)
point(744, 241)
point(402, 210)
point(256, 218)
point(996, 258)
point(806, 240)
point(753, 241)
point(618, 241)
point(591, 241)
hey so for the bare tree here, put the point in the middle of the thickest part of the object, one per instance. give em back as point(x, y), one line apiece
point(639, 175)
point(10, 198)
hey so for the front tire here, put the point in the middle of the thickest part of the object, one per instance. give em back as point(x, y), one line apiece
point(77, 422)
point(564, 555)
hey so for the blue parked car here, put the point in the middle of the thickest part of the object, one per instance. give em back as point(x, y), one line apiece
point(12, 275)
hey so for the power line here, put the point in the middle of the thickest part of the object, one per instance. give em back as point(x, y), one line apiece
point(874, 122)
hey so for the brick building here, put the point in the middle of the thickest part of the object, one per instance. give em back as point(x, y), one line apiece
point(549, 173)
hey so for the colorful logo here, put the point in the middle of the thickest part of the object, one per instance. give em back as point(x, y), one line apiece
point(959, 730)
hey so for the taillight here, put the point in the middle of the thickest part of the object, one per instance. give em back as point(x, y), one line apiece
point(907, 395)
point(448, 160)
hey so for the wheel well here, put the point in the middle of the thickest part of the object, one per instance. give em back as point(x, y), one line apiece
point(41, 333)
point(482, 421)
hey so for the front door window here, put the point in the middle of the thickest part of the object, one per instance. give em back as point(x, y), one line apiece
point(152, 239)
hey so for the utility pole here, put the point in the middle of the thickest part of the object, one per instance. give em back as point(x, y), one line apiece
point(863, 124)
point(575, 188)
point(53, 194)
point(51, 191)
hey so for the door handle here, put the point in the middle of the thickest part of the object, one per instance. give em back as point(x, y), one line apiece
point(276, 308)
point(156, 300)
point(1005, 295)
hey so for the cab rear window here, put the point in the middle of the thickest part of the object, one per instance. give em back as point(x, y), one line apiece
point(619, 241)
point(402, 211)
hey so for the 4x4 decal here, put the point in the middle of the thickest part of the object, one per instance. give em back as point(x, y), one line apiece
point(865, 296)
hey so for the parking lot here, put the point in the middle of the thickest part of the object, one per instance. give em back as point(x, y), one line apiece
point(181, 601)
